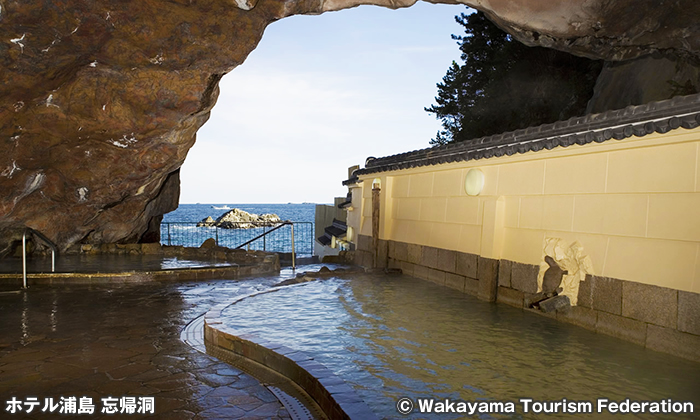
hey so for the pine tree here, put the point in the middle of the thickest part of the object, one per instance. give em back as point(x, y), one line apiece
point(504, 85)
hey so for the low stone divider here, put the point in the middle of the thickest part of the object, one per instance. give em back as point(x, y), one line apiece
point(336, 398)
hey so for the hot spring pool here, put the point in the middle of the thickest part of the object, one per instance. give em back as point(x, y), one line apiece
point(393, 337)
point(106, 263)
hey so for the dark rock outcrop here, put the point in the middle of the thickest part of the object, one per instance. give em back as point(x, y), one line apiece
point(643, 80)
point(552, 277)
point(100, 101)
point(559, 303)
point(323, 272)
point(611, 30)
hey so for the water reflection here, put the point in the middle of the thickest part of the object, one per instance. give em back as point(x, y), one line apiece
point(24, 339)
point(395, 337)
point(107, 263)
point(53, 321)
point(100, 341)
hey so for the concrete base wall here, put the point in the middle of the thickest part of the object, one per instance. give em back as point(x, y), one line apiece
point(659, 318)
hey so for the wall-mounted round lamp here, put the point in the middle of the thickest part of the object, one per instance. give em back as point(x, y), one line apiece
point(376, 183)
point(474, 182)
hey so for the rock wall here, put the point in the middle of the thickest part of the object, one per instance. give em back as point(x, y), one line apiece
point(643, 80)
point(100, 101)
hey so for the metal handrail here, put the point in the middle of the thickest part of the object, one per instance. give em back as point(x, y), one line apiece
point(294, 264)
point(237, 235)
point(47, 241)
point(262, 235)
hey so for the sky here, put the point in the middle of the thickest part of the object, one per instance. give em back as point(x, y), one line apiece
point(320, 94)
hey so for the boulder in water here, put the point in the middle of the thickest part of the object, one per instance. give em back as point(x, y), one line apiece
point(240, 219)
point(209, 221)
point(209, 243)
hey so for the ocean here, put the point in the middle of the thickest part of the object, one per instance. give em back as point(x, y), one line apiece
point(179, 227)
point(305, 212)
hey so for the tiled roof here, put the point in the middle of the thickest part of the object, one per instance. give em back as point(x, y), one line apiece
point(324, 240)
point(354, 179)
point(337, 229)
point(348, 201)
point(640, 120)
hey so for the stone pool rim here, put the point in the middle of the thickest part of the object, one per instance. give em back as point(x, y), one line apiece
point(335, 397)
point(233, 271)
point(230, 266)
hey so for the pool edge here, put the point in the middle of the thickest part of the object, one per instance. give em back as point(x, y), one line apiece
point(233, 271)
point(336, 398)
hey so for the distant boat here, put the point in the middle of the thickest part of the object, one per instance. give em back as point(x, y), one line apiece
point(224, 207)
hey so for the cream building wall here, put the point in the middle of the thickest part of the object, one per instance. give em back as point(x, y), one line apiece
point(634, 206)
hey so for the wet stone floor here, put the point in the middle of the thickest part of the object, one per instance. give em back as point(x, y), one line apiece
point(122, 342)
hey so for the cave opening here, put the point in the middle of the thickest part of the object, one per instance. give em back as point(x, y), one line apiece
point(317, 95)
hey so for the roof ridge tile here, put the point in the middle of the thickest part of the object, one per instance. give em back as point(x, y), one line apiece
point(634, 120)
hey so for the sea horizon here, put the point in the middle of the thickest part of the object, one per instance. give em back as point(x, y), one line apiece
point(195, 212)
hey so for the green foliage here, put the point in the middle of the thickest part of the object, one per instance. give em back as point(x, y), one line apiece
point(504, 85)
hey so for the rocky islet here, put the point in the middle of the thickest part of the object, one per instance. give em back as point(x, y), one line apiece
point(241, 219)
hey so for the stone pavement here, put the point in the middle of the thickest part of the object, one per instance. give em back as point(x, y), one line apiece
point(123, 341)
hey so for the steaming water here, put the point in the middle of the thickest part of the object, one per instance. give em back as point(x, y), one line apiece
point(397, 336)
